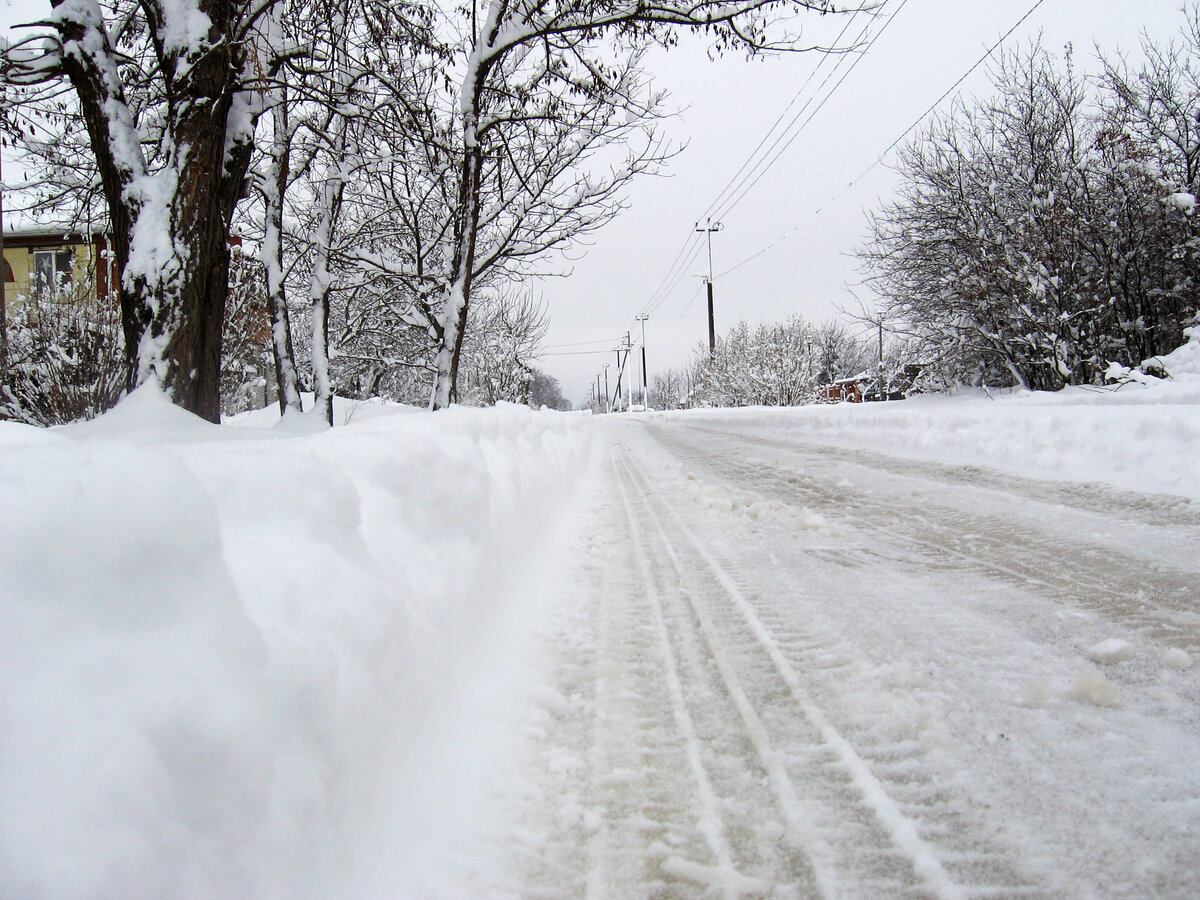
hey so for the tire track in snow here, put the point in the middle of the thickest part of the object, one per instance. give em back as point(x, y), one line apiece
point(899, 828)
point(710, 822)
point(624, 806)
point(1149, 509)
point(964, 865)
point(729, 786)
point(639, 790)
point(1112, 586)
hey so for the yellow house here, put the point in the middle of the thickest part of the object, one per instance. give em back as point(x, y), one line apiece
point(41, 262)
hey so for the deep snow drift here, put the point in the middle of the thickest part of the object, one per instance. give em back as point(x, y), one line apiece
point(229, 655)
point(252, 661)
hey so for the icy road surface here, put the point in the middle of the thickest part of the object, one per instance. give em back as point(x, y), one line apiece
point(789, 670)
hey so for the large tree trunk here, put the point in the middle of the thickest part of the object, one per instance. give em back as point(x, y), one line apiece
point(181, 347)
point(3, 296)
point(170, 227)
point(321, 283)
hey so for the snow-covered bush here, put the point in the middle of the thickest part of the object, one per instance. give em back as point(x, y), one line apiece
point(782, 364)
point(247, 365)
point(1182, 363)
point(64, 358)
point(1046, 233)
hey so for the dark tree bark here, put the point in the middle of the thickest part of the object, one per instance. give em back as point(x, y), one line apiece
point(169, 218)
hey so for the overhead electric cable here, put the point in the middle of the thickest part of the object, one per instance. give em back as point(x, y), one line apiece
point(690, 302)
point(679, 265)
point(730, 204)
point(580, 343)
point(604, 352)
point(883, 155)
point(674, 272)
point(710, 210)
point(921, 118)
point(684, 263)
point(755, 170)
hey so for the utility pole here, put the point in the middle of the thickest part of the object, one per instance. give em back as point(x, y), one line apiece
point(709, 227)
point(642, 317)
point(617, 388)
point(882, 396)
point(808, 370)
point(607, 398)
point(625, 346)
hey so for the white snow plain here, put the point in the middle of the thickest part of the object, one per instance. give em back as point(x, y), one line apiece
point(257, 661)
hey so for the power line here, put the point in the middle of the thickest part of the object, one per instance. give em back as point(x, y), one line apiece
point(669, 280)
point(755, 170)
point(690, 302)
point(883, 155)
point(747, 176)
point(543, 355)
point(729, 205)
point(711, 210)
point(580, 343)
point(907, 131)
point(677, 273)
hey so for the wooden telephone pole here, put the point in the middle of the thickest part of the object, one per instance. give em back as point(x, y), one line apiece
point(709, 227)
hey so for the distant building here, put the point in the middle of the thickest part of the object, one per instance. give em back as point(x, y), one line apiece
point(864, 387)
point(846, 390)
point(42, 262)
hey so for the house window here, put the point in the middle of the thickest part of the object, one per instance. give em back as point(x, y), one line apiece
point(52, 271)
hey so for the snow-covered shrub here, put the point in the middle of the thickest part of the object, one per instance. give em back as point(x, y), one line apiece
point(247, 364)
point(785, 363)
point(64, 358)
point(1048, 232)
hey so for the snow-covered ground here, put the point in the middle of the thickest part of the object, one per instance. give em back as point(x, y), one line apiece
point(909, 649)
point(247, 662)
point(1141, 434)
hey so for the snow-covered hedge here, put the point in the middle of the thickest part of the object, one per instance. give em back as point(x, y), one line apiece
point(218, 645)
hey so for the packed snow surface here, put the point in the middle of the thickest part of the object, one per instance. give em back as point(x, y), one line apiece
point(923, 648)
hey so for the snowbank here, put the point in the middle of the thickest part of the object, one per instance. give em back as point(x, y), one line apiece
point(1139, 435)
point(229, 655)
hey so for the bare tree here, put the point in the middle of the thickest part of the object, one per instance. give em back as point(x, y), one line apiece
point(528, 65)
point(505, 335)
point(1034, 241)
point(775, 364)
point(1152, 133)
point(667, 389)
point(545, 391)
point(166, 94)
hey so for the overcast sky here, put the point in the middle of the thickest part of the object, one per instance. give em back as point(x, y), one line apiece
point(730, 105)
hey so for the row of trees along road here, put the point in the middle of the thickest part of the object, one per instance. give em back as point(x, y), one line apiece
point(787, 363)
point(1052, 230)
point(394, 159)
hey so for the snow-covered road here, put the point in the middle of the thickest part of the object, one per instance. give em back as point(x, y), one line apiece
point(946, 647)
point(795, 670)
